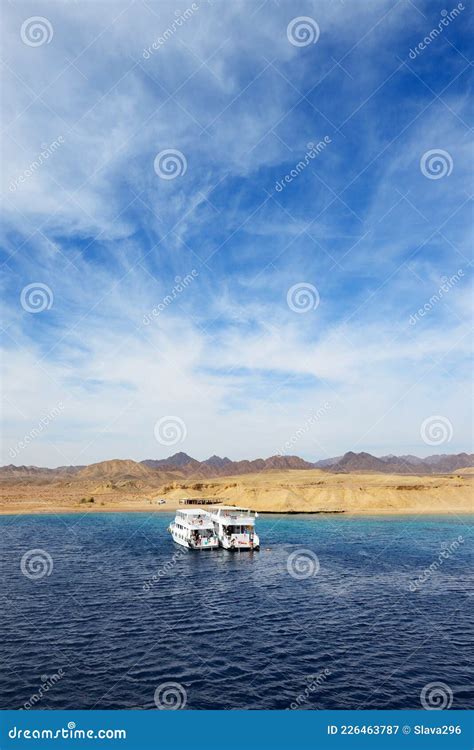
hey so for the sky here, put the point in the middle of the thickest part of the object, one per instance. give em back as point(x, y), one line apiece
point(235, 228)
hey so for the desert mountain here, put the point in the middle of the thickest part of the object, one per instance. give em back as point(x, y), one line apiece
point(180, 466)
point(447, 463)
point(29, 473)
point(177, 461)
point(216, 466)
point(216, 462)
point(365, 462)
point(357, 462)
point(115, 469)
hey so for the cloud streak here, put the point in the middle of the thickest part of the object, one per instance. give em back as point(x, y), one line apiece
point(97, 223)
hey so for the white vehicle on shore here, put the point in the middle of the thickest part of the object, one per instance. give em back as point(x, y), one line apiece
point(193, 529)
point(234, 527)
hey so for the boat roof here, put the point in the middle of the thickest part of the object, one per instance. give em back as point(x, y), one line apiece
point(191, 511)
point(228, 507)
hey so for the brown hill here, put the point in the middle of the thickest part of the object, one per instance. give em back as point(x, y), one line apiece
point(317, 491)
point(365, 462)
point(181, 466)
point(114, 470)
point(216, 466)
point(35, 474)
point(184, 466)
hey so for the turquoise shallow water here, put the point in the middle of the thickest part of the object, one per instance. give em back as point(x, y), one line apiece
point(324, 616)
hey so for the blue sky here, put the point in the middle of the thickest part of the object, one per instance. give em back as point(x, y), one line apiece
point(182, 298)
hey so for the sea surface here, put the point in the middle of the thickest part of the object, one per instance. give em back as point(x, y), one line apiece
point(109, 613)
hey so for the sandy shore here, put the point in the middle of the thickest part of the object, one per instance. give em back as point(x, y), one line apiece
point(311, 491)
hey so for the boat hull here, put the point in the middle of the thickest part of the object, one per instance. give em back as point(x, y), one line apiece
point(239, 544)
point(186, 542)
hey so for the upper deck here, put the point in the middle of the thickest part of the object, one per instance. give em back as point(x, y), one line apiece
point(232, 515)
point(197, 518)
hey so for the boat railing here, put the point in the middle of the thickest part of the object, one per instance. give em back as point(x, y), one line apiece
point(242, 520)
point(194, 520)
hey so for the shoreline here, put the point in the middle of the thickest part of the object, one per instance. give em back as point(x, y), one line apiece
point(344, 514)
point(289, 492)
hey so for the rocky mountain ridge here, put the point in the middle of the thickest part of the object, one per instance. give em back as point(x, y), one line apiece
point(180, 465)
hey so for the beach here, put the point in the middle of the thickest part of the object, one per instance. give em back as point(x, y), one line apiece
point(293, 491)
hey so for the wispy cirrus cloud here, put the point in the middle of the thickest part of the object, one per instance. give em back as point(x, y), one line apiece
point(111, 238)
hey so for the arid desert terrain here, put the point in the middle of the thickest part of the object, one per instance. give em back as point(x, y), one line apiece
point(129, 486)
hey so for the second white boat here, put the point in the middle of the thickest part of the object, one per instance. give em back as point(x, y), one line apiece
point(234, 527)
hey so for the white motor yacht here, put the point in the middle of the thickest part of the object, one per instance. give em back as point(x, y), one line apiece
point(194, 529)
point(234, 527)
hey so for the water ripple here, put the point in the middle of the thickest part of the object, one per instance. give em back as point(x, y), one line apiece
point(121, 614)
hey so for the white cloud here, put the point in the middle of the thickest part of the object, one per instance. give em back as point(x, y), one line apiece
point(227, 356)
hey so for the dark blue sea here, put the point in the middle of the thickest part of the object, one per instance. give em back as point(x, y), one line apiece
point(105, 611)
